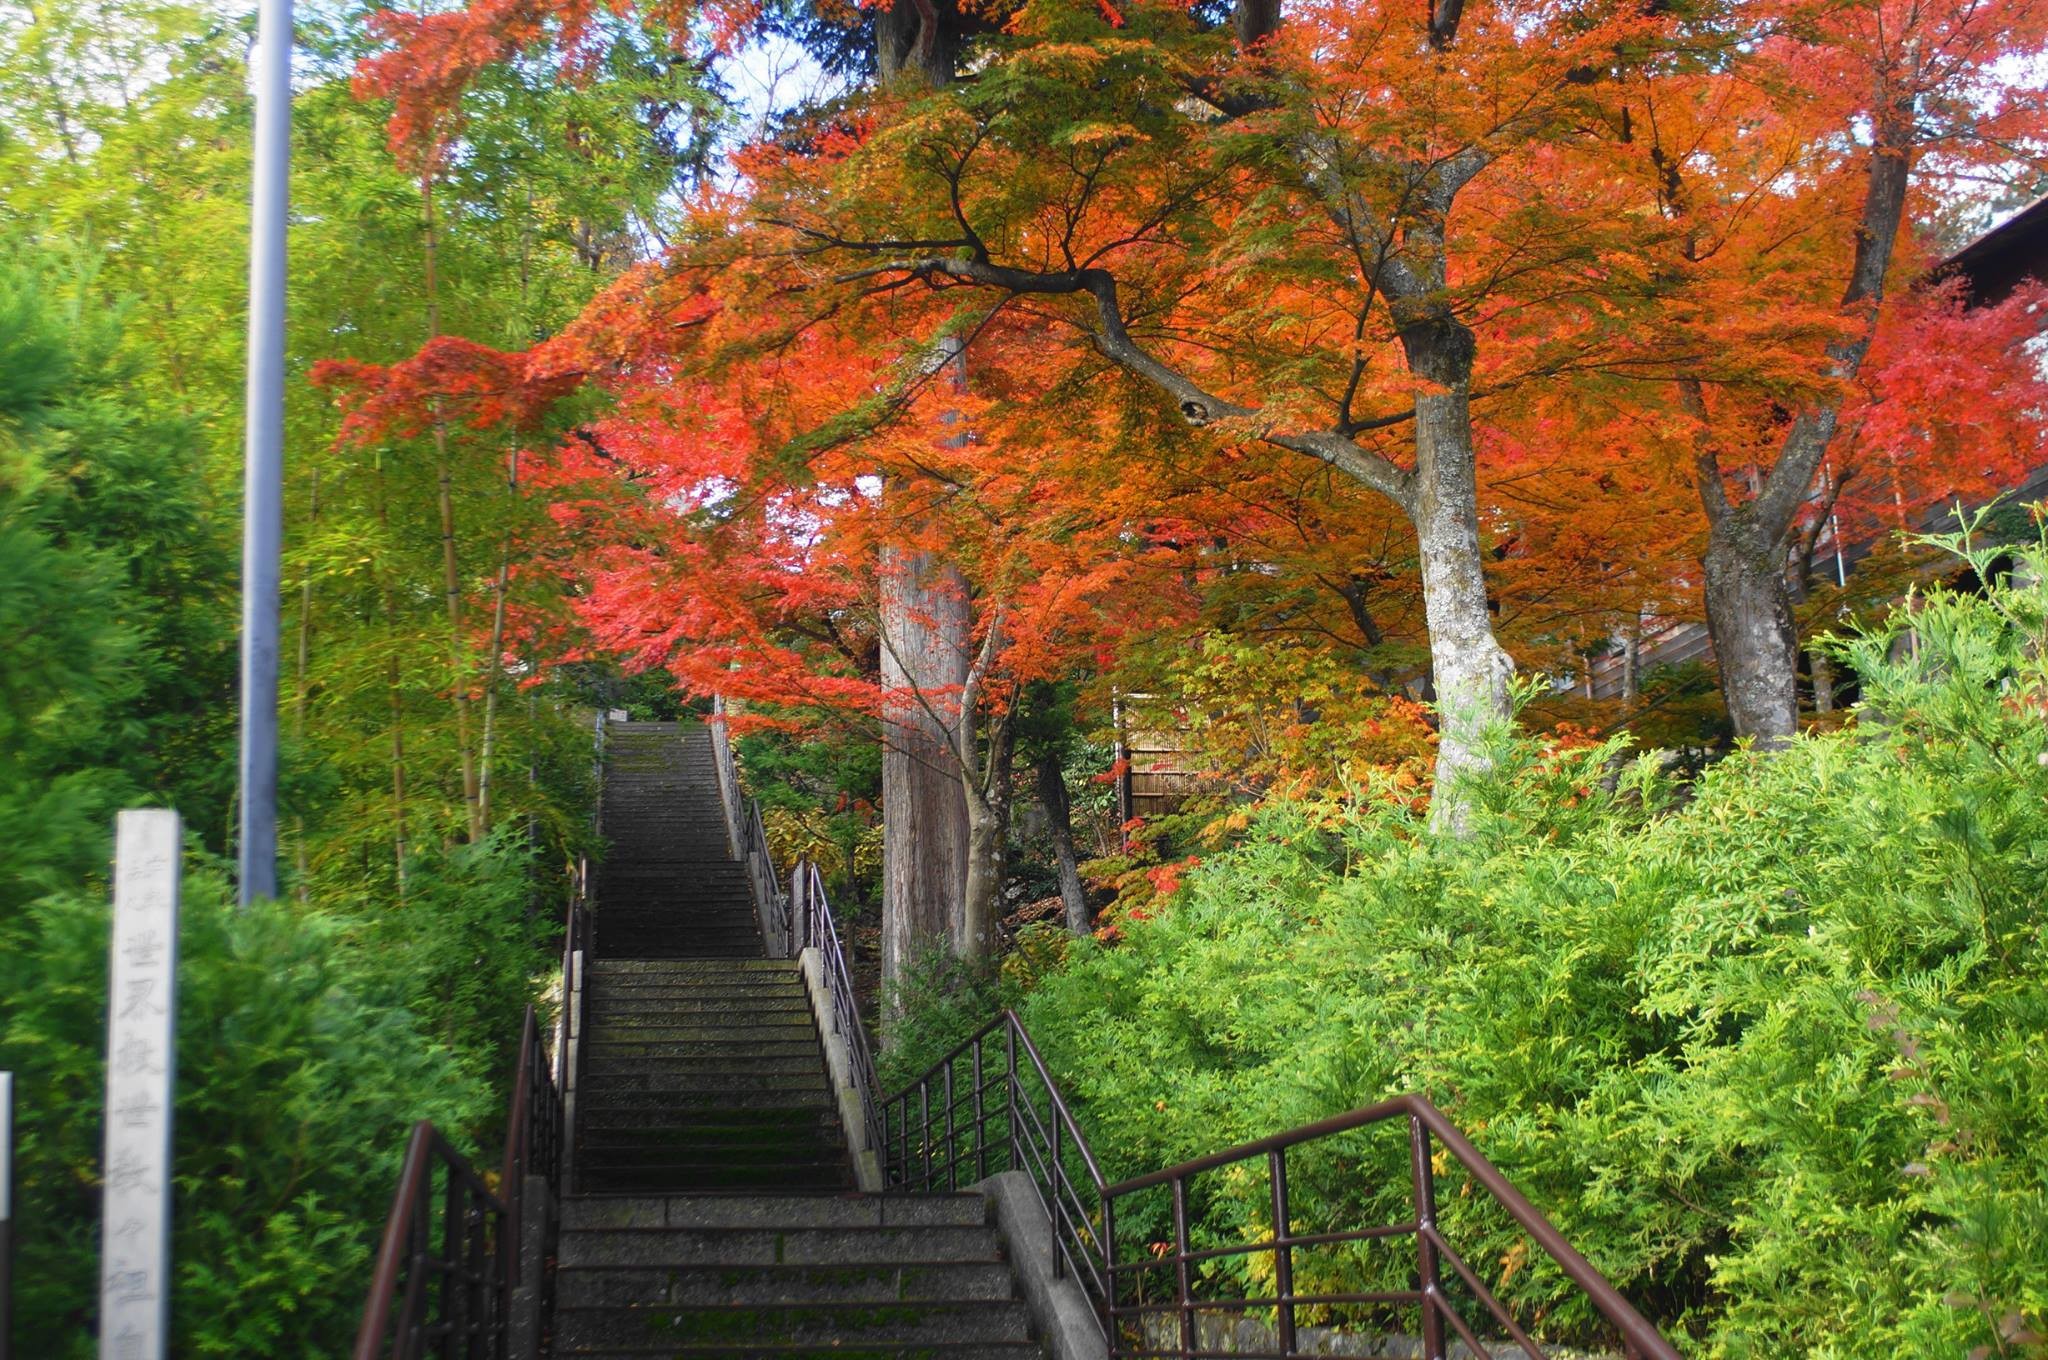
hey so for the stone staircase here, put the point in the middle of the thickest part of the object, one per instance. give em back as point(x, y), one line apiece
point(713, 1210)
point(877, 1276)
point(669, 887)
point(703, 1074)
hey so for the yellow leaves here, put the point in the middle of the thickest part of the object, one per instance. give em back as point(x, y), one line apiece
point(1102, 136)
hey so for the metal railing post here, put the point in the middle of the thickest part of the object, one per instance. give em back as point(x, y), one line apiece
point(1283, 1250)
point(924, 1132)
point(1108, 1244)
point(952, 1137)
point(1428, 1270)
point(1056, 1172)
point(1183, 1294)
point(980, 1117)
point(1010, 1092)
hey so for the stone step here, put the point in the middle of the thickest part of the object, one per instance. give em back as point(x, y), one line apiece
point(655, 1247)
point(704, 1104)
point(794, 1064)
point(684, 1131)
point(682, 980)
point(602, 1008)
point(655, 1080)
point(639, 968)
point(643, 1028)
point(925, 1350)
point(641, 948)
point(669, 918)
point(609, 1049)
point(672, 927)
point(675, 870)
point(836, 1325)
point(822, 1176)
point(780, 1211)
point(595, 1287)
point(708, 986)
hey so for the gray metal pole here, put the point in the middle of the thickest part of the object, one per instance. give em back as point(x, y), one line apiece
point(263, 503)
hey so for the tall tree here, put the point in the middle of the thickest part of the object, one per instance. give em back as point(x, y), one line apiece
point(1786, 175)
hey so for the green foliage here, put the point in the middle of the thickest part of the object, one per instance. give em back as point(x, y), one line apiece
point(1769, 1055)
point(314, 1032)
point(821, 801)
point(943, 1000)
point(303, 1057)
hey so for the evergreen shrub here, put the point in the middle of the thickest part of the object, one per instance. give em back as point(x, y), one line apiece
point(1767, 1047)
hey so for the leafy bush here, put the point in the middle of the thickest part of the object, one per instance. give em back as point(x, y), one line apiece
point(1771, 1058)
point(300, 1070)
point(310, 1035)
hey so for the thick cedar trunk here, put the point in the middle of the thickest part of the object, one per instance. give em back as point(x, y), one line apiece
point(926, 637)
point(1469, 670)
point(927, 630)
point(1059, 816)
point(915, 40)
point(494, 671)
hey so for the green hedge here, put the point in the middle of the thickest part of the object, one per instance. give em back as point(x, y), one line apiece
point(309, 1041)
point(1769, 1048)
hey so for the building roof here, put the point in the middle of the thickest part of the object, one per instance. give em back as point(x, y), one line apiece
point(1999, 260)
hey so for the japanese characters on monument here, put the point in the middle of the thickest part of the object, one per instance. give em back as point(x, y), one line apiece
point(141, 1052)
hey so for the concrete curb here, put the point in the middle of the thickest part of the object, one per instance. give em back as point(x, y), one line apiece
point(1060, 1310)
point(867, 1166)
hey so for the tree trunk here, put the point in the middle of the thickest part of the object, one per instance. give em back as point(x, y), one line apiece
point(451, 575)
point(986, 785)
point(1823, 679)
point(1469, 670)
point(926, 636)
point(1749, 616)
point(1052, 796)
point(1749, 605)
point(494, 670)
point(394, 694)
point(915, 40)
point(299, 697)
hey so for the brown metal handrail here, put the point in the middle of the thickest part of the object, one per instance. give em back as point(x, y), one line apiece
point(446, 1300)
point(975, 1113)
point(995, 1125)
point(812, 926)
point(453, 1300)
point(1428, 1128)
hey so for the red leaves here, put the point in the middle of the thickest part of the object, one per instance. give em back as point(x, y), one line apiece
point(451, 379)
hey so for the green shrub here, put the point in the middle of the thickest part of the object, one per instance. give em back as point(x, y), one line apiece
point(1772, 1059)
point(299, 1075)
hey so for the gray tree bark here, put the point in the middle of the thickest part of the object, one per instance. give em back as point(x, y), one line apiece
point(1749, 604)
point(1059, 816)
point(926, 633)
point(987, 786)
point(1470, 670)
